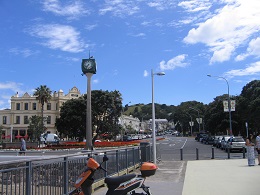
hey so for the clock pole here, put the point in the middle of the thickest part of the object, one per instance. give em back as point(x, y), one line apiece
point(88, 67)
point(89, 114)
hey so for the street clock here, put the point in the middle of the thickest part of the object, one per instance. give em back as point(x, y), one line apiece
point(89, 66)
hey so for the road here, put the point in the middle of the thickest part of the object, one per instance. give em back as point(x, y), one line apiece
point(169, 149)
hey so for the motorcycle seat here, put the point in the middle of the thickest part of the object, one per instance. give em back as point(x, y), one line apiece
point(119, 179)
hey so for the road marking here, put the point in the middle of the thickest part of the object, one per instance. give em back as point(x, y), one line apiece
point(184, 143)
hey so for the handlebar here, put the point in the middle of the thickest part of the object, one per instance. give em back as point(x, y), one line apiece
point(100, 167)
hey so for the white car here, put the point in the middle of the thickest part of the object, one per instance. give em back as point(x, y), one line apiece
point(134, 137)
point(224, 142)
point(235, 143)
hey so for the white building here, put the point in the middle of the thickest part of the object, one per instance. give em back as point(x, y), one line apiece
point(160, 124)
point(15, 121)
point(130, 123)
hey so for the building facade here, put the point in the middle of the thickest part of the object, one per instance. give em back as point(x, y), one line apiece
point(15, 121)
point(130, 123)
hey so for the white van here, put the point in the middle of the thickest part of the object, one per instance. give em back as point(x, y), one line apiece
point(50, 138)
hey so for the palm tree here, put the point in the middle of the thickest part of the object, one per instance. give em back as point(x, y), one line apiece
point(43, 95)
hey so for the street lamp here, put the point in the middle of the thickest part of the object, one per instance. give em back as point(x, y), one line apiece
point(229, 105)
point(153, 115)
point(191, 123)
point(198, 115)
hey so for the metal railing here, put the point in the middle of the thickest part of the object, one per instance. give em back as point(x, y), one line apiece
point(56, 175)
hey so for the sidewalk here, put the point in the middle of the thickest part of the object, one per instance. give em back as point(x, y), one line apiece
point(221, 177)
point(203, 177)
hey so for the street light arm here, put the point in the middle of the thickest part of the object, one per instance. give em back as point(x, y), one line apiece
point(229, 104)
point(221, 78)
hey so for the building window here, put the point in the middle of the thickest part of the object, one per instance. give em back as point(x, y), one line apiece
point(56, 106)
point(17, 120)
point(22, 132)
point(48, 119)
point(25, 120)
point(26, 106)
point(48, 106)
point(34, 106)
point(4, 120)
point(17, 106)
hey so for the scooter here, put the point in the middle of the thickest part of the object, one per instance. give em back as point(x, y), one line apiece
point(119, 185)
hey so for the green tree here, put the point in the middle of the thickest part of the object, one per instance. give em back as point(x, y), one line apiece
point(72, 120)
point(43, 95)
point(106, 110)
point(35, 128)
point(248, 106)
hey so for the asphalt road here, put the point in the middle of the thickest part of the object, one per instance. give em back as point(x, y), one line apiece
point(169, 149)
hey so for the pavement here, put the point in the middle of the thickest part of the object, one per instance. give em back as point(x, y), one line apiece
point(203, 177)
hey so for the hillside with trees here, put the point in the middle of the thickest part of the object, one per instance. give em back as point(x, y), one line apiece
point(215, 120)
point(107, 108)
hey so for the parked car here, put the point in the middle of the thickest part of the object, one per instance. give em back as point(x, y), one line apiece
point(235, 143)
point(217, 141)
point(202, 137)
point(127, 138)
point(209, 140)
point(134, 137)
point(224, 142)
point(199, 136)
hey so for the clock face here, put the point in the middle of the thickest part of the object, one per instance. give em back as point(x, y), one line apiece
point(88, 65)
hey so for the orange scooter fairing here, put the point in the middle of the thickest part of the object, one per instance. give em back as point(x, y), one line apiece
point(91, 164)
point(148, 169)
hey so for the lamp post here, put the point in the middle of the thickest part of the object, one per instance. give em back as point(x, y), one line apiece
point(198, 115)
point(153, 115)
point(191, 123)
point(229, 104)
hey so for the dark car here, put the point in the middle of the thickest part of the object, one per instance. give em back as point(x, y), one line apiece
point(127, 138)
point(217, 140)
point(199, 136)
point(209, 140)
point(203, 138)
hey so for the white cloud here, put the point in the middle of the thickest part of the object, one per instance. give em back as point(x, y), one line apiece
point(95, 81)
point(119, 8)
point(9, 89)
point(15, 87)
point(139, 35)
point(62, 37)
point(146, 73)
point(253, 49)
point(195, 5)
point(73, 10)
point(252, 69)
point(173, 63)
point(91, 27)
point(161, 4)
point(229, 28)
point(23, 52)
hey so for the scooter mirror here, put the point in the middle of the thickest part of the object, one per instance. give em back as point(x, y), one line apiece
point(105, 158)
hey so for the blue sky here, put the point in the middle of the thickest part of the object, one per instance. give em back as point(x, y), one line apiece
point(44, 41)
